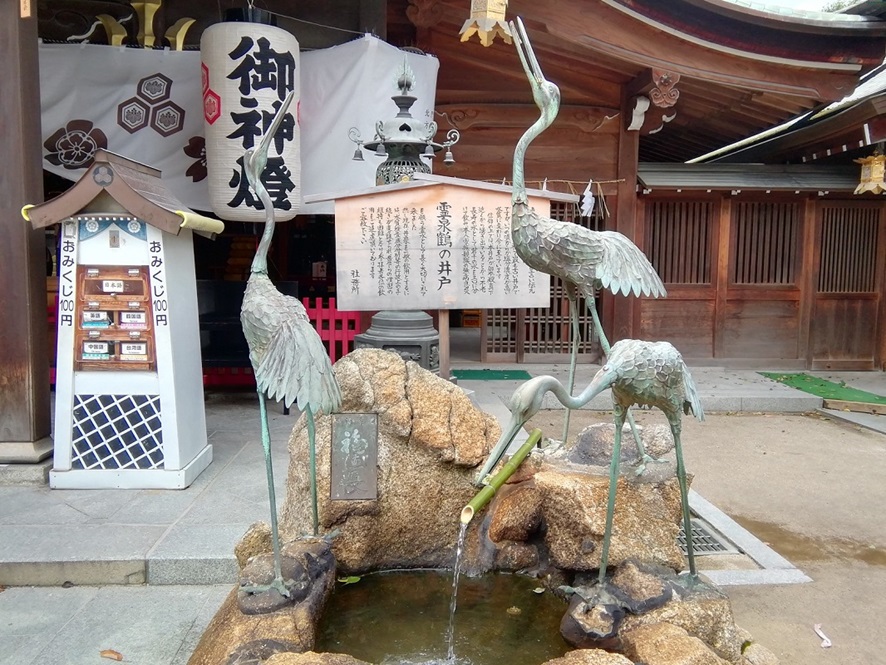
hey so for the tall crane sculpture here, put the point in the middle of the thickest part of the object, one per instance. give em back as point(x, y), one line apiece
point(642, 373)
point(287, 355)
point(584, 259)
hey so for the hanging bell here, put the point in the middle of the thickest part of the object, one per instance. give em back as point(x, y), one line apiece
point(380, 150)
point(358, 155)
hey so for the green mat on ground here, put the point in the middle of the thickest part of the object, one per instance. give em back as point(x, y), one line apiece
point(491, 374)
point(824, 388)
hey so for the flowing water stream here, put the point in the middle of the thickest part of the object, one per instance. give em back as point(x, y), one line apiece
point(456, 569)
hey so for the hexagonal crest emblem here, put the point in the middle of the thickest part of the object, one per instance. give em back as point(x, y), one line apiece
point(204, 76)
point(167, 118)
point(132, 115)
point(211, 106)
point(154, 88)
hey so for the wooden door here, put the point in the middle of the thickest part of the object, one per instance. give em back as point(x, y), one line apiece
point(847, 302)
point(759, 306)
point(681, 238)
point(733, 271)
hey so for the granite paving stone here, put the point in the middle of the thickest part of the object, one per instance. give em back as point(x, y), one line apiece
point(127, 620)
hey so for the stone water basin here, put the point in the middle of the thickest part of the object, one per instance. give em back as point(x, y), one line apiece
point(402, 617)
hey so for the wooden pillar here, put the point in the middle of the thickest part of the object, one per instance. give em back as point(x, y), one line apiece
point(807, 279)
point(720, 274)
point(24, 365)
point(625, 218)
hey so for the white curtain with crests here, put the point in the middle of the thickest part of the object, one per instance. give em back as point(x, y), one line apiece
point(147, 105)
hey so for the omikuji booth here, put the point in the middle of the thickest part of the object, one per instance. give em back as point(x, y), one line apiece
point(129, 407)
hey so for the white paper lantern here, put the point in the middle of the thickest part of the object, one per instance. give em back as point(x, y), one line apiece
point(248, 69)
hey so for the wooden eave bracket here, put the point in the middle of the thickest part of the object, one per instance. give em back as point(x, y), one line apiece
point(653, 89)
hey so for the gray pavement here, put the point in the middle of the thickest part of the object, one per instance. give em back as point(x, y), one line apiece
point(145, 570)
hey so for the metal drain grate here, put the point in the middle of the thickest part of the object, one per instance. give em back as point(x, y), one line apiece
point(705, 540)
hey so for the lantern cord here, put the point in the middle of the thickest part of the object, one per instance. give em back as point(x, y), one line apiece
point(318, 25)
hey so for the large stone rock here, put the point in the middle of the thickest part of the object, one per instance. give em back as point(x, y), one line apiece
point(589, 657)
point(757, 654)
point(645, 523)
point(665, 644)
point(703, 611)
point(517, 513)
point(642, 594)
point(430, 438)
point(257, 540)
point(235, 637)
point(594, 444)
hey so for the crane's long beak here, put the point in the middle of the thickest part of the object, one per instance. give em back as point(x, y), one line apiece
point(265, 143)
point(499, 449)
point(524, 50)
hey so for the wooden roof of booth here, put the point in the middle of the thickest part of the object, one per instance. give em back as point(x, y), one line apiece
point(136, 188)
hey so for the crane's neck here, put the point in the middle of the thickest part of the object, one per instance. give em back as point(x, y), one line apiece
point(260, 262)
point(601, 382)
point(519, 180)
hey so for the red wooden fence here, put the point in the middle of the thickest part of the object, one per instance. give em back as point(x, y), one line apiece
point(336, 329)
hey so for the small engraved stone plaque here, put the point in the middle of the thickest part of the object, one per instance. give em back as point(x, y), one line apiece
point(353, 471)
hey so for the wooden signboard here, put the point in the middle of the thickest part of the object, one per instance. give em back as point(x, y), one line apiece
point(434, 243)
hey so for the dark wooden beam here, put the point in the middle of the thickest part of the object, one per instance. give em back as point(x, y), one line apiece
point(24, 363)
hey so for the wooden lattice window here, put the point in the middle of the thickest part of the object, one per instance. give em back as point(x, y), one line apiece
point(679, 240)
point(764, 248)
point(546, 329)
point(849, 236)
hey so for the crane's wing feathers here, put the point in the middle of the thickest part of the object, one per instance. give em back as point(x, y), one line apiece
point(625, 268)
point(295, 368)
point(589, 259)
point(287, 355)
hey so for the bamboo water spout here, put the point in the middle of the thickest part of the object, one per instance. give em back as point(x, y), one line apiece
point(485, 495)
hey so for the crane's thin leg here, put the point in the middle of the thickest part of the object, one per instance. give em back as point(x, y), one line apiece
point(312, 461)
point(642, 458)
point(278, 583)
point(676, 426)
point(619, 413)
point(573, 359)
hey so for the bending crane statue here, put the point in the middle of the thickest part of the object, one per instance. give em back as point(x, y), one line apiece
point(642, 373)
point(585, 260)
point(286, 353)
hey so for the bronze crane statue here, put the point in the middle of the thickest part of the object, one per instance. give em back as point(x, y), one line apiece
point(643, 373)
point(287, 355)
point(585, 260)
